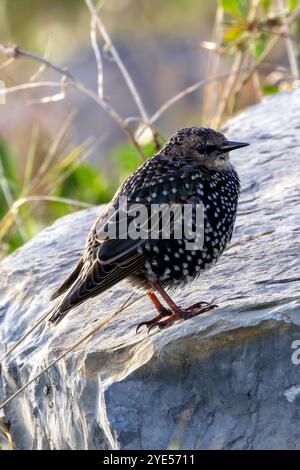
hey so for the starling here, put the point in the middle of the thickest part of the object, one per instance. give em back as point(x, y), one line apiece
point(192, 169)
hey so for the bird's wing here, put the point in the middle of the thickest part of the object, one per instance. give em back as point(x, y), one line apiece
point(105, 263)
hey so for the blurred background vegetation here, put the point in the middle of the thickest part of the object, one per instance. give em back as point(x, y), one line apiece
point(59, 155)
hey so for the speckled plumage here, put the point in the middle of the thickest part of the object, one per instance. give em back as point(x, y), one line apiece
point(193, 167)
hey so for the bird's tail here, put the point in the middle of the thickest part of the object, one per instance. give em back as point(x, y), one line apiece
point(60, 309)
point(66, 303)
point(57, 316)
point(69, 281)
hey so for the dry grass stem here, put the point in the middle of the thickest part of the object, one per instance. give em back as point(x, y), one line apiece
point(89, 335)
point(290, 47)
point(114, 53)
point(14, 51)
point(186, 91)
point(98, 56)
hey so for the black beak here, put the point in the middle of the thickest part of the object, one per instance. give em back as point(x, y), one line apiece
point(229, 145)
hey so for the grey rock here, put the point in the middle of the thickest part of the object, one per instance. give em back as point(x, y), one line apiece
point(228, 379)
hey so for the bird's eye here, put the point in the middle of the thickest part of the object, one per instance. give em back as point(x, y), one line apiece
point(201, 148)
point(206, 148)
point(211, 148)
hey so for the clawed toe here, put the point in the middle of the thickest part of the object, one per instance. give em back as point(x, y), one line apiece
point(139, 326)
point(193, 311)
point(199, 306)
point(151, 324)
point(168, 322)
point(148, 324)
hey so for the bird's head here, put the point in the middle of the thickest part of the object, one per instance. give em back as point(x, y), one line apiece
point(202, 144)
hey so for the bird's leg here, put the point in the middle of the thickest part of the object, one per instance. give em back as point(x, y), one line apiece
point(162, 313)
point(177, 312)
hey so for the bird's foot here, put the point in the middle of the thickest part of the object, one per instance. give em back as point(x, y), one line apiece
point(164, 312)
point(180, 314)
point(186, 313)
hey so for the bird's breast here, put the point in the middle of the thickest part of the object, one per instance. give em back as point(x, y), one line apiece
point(180, 260)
